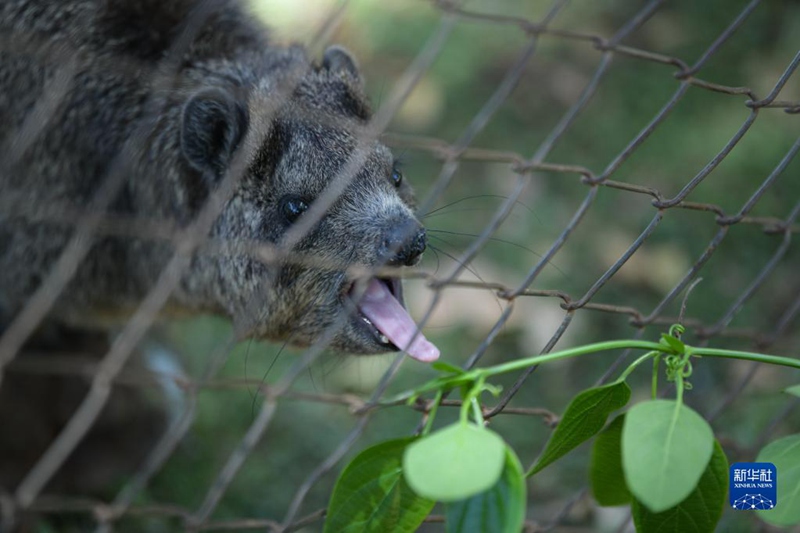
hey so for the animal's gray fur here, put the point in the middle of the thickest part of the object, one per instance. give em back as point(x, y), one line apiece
point(114, 54)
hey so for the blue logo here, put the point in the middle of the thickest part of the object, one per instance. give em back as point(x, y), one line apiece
point(753, 486)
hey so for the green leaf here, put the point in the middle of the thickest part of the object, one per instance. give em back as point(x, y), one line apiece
point(443, 366)
point(673, 343)
point(455, 462)
point(500, 509)
point(699, 512)
point(793, 390)
point(605, 472)
point(665, 449)
point(785, 455)
point(371, 494)
point(584, 418)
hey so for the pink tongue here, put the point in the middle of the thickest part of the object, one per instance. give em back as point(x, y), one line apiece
point(385, 312)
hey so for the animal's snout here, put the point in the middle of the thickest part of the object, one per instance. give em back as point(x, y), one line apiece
point(403, 244)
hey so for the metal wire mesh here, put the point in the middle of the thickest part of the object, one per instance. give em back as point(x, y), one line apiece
point(587, 299)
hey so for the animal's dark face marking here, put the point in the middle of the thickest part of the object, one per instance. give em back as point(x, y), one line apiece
point(371, 224)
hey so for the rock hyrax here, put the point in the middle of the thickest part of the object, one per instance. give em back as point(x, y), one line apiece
point(176, 87)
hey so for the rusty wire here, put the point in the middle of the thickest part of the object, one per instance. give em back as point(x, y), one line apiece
point(91, 221)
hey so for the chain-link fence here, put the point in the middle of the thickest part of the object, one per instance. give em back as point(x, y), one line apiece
point(582, 227)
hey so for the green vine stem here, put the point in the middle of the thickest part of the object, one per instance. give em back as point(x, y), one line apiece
point(656, 367)
point(480, 374)
point(748, 356)
point(636, 363)
point(520, 364)
point(432, 413)
point(679, 389)
point(476, 412)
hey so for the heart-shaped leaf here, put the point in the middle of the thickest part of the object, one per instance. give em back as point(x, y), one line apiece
point(455, 462)
point(605, 472)
point(699, 512)
point(584, 418)
point(500, 509)
point(785, 455)
point(372, 496)
point(665, 449)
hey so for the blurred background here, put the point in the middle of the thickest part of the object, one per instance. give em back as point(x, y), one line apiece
point(479, 56)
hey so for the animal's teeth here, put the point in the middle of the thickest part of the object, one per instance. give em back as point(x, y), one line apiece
point(381, 337)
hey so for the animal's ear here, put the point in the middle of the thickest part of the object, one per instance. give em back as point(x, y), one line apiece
point(212, 126)
point(338, 60)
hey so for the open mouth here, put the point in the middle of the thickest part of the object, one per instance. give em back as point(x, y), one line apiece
point(395, 289)
point(381, 310)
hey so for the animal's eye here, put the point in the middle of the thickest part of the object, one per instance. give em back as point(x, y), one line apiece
point(397, 177)
point(293, 207)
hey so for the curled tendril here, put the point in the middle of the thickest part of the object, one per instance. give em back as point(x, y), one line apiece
point(686, 372)
point(677, 365)
point(673, 365)
point(494, 390)
point(676, 330)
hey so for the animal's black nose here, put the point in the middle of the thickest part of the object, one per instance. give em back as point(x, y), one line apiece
point(403, 245)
